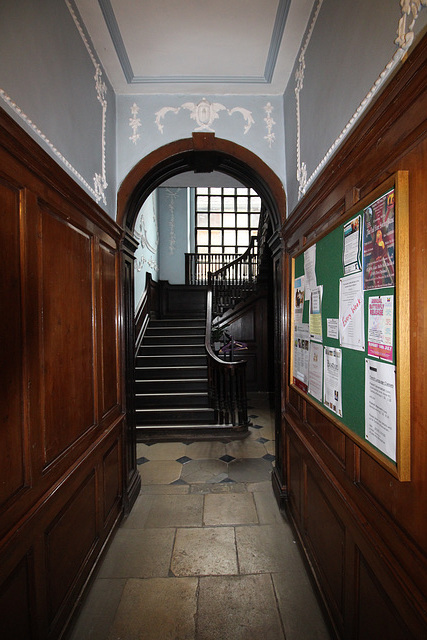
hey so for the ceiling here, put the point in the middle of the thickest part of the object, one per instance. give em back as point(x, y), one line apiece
point(211, 47)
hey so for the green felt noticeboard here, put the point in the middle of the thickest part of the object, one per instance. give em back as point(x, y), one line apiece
point(389, 280)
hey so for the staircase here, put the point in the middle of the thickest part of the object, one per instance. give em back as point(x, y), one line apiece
point(171, 382)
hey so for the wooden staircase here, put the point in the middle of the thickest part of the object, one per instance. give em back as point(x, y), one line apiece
point(171, 379)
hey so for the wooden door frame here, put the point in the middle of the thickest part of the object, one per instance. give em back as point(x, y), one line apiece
point(202, 153)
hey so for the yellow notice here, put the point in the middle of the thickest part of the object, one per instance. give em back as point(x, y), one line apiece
point(315, 315)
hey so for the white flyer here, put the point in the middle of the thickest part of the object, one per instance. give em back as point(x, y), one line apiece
point(310, 279)
point(380, 406)
point(300, 364)
point(351, 312)
point(315, 371)
point(332, 370)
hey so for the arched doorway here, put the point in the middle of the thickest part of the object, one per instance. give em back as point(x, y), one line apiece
point(203, 153)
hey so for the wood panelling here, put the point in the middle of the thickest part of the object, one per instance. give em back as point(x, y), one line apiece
point(67, 333)
point(327, 542)
point(330, 436)
point(112, 473)
point(62, 410)
point(66, 551)
point(12, 458)
point(385, 623)
point(15, 599)
point(109, 330)
point(364, 531)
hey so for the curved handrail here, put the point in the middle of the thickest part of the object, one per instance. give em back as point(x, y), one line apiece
point(226, 381)
point(238, 259)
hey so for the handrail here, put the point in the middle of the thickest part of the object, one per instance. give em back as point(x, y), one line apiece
point(226, 381)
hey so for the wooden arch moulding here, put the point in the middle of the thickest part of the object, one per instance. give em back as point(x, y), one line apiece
point(203, 153)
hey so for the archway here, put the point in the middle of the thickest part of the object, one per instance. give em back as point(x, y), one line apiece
point(203, 153)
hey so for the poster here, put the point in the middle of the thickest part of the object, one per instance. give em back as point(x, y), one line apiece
point(298, 299)
point(300, 364)
point(315, 371)
point(378, 243)
point(315, 313)
point(332, 328)
point(310, 270)
point(332, 380)
point(380, 406)
point(351, 310)
point(351, 246)
point(380, 327)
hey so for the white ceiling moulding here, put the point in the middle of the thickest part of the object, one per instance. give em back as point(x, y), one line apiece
point(132, 79)
point(410, 10)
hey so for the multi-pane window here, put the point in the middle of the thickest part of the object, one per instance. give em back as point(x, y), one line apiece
point(226, 218)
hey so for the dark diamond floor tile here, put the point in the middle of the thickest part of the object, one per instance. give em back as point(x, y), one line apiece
point(226, 480)
point(142, 460)
point(253, 416)
point(261, 440)
point(227, 458)
point(256, 426)
point(269, 457)
point(184, 459)
point(179, 481)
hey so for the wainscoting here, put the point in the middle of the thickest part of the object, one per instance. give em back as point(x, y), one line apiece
point(363, 531)
point(62, 459)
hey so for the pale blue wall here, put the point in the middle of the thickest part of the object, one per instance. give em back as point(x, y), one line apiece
point(47, 84)
point(154, 131)
point(348, 50)
point(174, 228)
point(147, 254)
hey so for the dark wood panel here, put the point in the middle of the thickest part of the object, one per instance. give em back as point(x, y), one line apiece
point(68, 333)
point(331, 437)
point(295, 479)
point(15, 604)
point(12, 451)
point(376, 615)
point(326, 534)
point(112, 472)
point(66, 551)
point(108, 323)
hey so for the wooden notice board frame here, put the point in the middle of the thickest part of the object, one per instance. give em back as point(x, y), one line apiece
point(352, 422)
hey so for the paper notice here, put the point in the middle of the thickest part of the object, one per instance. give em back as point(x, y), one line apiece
point(380, 406)
point(332, 368)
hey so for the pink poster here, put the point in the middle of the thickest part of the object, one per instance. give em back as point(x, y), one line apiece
point(378, 245)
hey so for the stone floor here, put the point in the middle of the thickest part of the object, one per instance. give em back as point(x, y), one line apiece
point(205, 553)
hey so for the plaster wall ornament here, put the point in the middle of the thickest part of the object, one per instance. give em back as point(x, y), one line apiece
point(204, 113)
point(270, 137)
point(134, 123)
point(173, 194)
point(99, 179)
point(405, 36)
point(140, 262)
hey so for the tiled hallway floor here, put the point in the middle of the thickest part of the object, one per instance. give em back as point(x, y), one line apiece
point(205, 553)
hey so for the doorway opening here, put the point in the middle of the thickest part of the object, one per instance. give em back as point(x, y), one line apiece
point(203, 153)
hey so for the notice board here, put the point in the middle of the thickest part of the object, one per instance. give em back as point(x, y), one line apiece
point(349, 352)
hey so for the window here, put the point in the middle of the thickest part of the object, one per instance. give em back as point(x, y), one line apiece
point(226, 218)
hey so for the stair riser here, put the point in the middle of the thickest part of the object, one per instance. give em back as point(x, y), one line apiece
point(170, 373)
point(153, 332)
point(172, 349)
point(177, 322)
point(171, 361)
point(170, 386)
point(154, 402)
point(170, 417)
point(190, 339)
